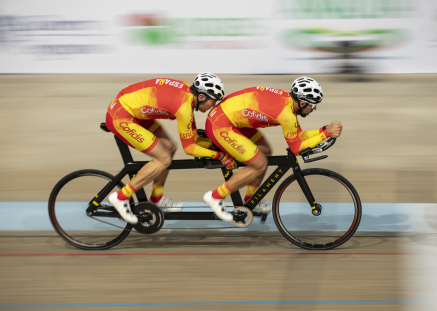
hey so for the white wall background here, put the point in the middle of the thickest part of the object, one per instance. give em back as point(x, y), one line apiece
point(227, 36)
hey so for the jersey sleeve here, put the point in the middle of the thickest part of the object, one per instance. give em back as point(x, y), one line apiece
point(303, 135)
point(185, 119)
point(297, 139)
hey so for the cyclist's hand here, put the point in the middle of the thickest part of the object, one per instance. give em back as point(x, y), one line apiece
point(229, 162)
point(334, 129)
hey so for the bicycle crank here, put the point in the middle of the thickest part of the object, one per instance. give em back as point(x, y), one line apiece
point(243, 217)
point(150, 217)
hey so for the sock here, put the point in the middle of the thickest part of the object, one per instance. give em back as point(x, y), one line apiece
point(251, 189)
point(222, 192)
point(126, 192)
point(157, 190)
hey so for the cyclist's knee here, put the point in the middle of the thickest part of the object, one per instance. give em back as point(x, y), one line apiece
point(259, 164)
point(165, 160)
point(161, 156)
point(264, 147)
point(267, 151)
point(169, 145)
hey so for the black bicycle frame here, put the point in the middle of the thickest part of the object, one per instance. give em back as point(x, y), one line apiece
point(131, 168)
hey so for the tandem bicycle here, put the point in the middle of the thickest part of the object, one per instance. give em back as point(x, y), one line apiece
point(314, 208)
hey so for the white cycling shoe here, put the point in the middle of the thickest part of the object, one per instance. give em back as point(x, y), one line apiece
point(218, 207)
point(123, 208)
point(168, 205)
point(263, 207)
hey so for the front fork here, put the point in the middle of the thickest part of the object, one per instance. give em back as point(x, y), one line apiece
point(316, 209)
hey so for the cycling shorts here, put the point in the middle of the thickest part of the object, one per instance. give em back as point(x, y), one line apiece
point(137, 133)
point(239, 143)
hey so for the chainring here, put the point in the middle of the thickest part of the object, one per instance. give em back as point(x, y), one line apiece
point(150, 217)
point(243, 217)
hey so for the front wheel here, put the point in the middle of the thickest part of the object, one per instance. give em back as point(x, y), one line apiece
point(333, 222)
point(68, 202)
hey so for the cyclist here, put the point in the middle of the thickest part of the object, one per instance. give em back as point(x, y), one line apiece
point(232, 126)
point(132, 117)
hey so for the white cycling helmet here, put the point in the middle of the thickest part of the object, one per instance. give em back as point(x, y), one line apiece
point(210, 85)
point(307, 89)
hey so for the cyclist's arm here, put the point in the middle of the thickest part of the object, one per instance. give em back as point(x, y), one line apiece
point(185, 118)
point(303, 135)
point(289, 125)
point(201, 141)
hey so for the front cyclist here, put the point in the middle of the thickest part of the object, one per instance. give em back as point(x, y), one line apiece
point(132, 117)
point(232, 126)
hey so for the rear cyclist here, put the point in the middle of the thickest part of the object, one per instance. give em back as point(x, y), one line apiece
point(232, 126)
point(132, 117)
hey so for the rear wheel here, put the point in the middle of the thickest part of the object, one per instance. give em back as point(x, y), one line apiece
point(67, 210)
point(333, 222)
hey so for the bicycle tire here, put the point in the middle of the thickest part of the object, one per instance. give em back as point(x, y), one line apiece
point(289, 217)
point(55, 213)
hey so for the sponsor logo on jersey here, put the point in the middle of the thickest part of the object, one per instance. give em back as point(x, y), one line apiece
point(132, 132)
point(186, 135)
point(212, 113)
point(169, 82)
point(152, 110)
point(290, 135)
point(254, 114)
point(262, 88)
point(114, 103)
point(232, 142)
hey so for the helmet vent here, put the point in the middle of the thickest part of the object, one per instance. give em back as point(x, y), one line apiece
point(210, 85)
point(308, 89)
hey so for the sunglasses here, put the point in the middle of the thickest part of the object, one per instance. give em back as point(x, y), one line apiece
point(312, 105)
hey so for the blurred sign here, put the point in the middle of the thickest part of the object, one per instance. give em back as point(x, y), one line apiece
point(171, 36)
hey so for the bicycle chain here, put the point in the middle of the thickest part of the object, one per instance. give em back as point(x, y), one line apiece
point(165, 228)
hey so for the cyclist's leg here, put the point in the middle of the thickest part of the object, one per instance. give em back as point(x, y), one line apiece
point(161, 159)
point(253, 171)
point(129, 130)
point(157, 195)
point(221, 131)
point(256, 137)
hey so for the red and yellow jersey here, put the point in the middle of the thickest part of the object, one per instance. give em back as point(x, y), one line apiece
point(165, 99)
point(261, 107)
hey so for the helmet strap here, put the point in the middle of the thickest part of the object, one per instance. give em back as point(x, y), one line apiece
point(301, 108)
point(201, 102)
